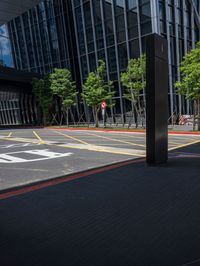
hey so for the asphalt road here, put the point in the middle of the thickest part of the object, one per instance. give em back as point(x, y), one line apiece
point(29, 156)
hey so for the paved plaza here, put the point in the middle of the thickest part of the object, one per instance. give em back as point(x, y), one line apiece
point(123, 214)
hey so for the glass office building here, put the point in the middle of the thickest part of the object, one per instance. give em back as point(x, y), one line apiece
point(5, 48)
point(77, 33)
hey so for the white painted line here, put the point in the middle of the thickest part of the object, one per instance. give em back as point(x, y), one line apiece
point(45, 154)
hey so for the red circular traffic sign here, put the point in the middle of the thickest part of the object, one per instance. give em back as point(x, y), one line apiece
point(103, 105)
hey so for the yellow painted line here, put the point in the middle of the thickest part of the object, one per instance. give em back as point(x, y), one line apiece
point(39, 138)
point(176, 143)
point(117, 140)
point(66, 146)
point(21, 140)
point(102, 150)
point(184, 138)
point(9, 135)
point(70, 137)
point(184, 145)
point(133, 136)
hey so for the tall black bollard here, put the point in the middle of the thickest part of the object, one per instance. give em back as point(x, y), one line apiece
point(157, 100)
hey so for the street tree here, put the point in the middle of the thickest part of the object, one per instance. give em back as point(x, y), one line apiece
point(43, 96)
point(189, 86)
point(97, 89)
point(63, 87)
point(134, 81)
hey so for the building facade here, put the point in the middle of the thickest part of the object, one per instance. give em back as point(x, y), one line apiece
point(17, 104)
point(5, 48)
point(77, 33)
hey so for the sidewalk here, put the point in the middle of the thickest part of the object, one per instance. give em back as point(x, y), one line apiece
point(176, 129)
point(131, 215)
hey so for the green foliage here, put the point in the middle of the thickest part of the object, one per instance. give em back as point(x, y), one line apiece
point(63, 86)
point(190, 75)
point(96, 89)
point(43, 95)
point(190, 79)
point(134, 81)
point(134, 78)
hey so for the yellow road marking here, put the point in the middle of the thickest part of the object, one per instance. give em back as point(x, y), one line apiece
point(122, 141)
point(101, 150)
point(39, 138)
point(131, 135)
point(184, 145)
point(9, 135)
point(81, 141)
point(175, 143)
point(68, 146)
point(184, 138)
point(21, 140)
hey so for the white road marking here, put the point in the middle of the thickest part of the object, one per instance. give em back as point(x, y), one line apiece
point(17, 145)
point(29, 169)
point(45, 154)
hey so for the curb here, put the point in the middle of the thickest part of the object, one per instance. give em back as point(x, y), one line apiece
point(20, 127)
point(22, 189)
point(121, 130)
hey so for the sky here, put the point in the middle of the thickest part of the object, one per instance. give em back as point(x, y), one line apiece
point(5, 49)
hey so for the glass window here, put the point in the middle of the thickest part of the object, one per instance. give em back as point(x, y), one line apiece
point(132, 18)
point(121, 36)
point(97, 12)
point(99, 31)
point(89, 34)
point(87, 15)
point(119, 6)
point(92, 61)
point(109, 26)
point(100, 43)
point(79, 22)
point(132, 4)
point(120, 23)
point(76, 3)
point(122, 53)
point(112, 59)
point(101, 54)
point(133, 32)
point(145, 12)
point(162, 27)
point(107, 10)
point(110, 40)
point(134, 49)
point(171, 14)
point(84, 66)
point(146, 28)
point(162, 10)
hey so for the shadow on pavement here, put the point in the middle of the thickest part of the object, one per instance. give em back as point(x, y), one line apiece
point(132, 215)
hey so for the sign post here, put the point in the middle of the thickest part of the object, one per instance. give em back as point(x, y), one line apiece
point(103, 110)
point(157, 100)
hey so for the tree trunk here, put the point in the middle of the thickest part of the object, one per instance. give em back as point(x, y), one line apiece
point(139, 111)
point(194, 115)
point(44, 119)
point(67, 116)
point(72, 115)
point(61, 119)
point(136, 114)
point(132, 109)
point(96, 117)
point(198, 114)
